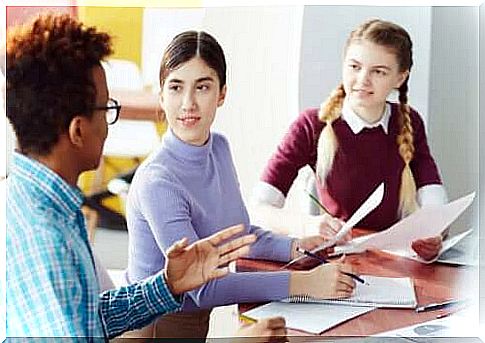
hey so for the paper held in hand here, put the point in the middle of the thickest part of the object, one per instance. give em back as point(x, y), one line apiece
point(369, 204)
point(425, 222)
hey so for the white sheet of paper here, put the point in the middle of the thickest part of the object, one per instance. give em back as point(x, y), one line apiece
point(368, 206)
point(314, 318)
point(464, 252)
point(426, 222)
point(447, 244)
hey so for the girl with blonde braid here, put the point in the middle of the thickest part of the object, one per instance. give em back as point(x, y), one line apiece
point(355, 141)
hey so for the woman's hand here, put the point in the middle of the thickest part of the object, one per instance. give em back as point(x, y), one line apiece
point(428, 248)
point(326, 281)
point(310, 243)
point(324, 225)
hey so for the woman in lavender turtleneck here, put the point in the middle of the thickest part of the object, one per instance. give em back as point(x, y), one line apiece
point(188, 187)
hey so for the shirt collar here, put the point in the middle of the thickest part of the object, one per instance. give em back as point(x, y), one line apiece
point(64, 197)
point(357, 124)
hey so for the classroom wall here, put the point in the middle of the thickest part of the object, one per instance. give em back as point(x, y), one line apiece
point(123, 23)
point(453, 102)
point(160, 25)
point(20, 14)
point(325, 30)
point(262, 50)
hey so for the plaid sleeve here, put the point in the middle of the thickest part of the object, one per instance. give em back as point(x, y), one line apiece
point(42, 288)
point(134, 306)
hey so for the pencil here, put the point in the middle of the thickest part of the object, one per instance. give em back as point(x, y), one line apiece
point(321, 259)
point(316, 201)
point(247, 319)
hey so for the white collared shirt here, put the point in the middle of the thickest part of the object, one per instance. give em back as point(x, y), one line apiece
point(434, 194)
point(357, 124)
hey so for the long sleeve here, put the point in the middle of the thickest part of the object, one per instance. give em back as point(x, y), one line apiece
point(270, 245)
point(173, 221)
point(423, 165)
point(297, 149)
point(136, 305)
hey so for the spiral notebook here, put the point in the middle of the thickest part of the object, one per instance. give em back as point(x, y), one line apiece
point(380, 292)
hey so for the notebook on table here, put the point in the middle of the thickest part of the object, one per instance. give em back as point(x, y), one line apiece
point(380, 292)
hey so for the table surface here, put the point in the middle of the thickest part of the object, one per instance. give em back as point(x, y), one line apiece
point(432, 283)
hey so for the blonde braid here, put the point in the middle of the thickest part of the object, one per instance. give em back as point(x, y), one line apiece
point(327, 143)
point(407, 192)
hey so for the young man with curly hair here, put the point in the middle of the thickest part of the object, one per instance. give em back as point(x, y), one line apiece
point(59, 106)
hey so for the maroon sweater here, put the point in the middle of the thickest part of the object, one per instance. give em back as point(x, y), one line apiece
point(361, 163)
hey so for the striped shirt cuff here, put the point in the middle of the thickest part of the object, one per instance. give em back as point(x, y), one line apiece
point(161, 298)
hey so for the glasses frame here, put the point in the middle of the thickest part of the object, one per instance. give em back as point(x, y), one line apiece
point(116, 106)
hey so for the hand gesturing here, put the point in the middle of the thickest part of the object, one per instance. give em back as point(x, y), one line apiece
point(190, 266)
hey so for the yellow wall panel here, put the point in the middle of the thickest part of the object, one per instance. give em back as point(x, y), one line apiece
point(125, 24)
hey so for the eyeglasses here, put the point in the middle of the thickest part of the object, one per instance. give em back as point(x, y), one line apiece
point(112, 109)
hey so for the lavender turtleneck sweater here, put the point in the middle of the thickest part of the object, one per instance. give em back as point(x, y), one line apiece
point(182, 190)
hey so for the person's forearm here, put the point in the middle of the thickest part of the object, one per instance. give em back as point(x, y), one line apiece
point(139, 303)
point(270, 245)
point(241, 288)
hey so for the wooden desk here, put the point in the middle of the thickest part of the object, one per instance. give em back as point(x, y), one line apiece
point(433, 282)
point(137, 105)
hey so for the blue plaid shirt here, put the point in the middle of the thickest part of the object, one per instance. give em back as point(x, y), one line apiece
point(52, 289)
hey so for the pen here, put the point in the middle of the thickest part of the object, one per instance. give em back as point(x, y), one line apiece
point(437, 306)
point(450, 311)
point(445, 314)
point(321, 259)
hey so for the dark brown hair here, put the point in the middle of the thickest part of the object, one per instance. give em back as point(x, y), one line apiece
point(190, 44)
point(49, 80)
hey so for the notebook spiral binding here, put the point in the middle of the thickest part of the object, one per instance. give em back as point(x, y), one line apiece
point(301, 298)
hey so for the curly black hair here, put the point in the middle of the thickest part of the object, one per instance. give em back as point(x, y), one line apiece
point(49, 65)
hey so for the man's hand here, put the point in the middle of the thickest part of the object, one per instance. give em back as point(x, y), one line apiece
point(428, 248)
point(190, 266)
